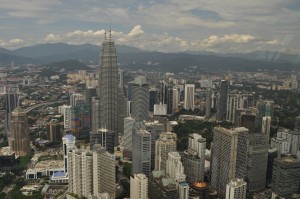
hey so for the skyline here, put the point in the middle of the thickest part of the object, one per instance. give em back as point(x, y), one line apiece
point(166, 25)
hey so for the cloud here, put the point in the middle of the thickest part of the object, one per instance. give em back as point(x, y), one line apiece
point(16, 42)
point(52, 38)
point(136, 31)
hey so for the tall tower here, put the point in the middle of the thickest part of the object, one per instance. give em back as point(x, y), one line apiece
point(208, 102)
point(189, 91)
point(108, 86)
point(19, 137)
point(222, 108)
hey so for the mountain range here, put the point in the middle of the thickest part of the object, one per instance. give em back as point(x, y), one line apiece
point(134, 58)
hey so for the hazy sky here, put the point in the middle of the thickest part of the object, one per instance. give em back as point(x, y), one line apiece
point(162, 25)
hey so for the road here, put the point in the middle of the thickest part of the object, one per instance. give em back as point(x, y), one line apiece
point(41, 104)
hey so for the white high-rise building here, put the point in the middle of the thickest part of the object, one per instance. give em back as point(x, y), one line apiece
point(189, 92)
point(76, 99)
point(165, 144)
point(236, 189)
point(174, 167)
point(80, 172)
point(138, 186)
point(65, 110)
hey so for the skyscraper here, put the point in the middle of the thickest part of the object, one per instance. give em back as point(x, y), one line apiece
point(208, 102)
point(266, 125)
point(138, 186)
point(222, 107)
point(68, 143)
point(229, 157)
point(11, 104)
point(140, 99)
point(174, 167)
point(104, 137)
point(189, 92)
point(108, 86)
point(19, 140)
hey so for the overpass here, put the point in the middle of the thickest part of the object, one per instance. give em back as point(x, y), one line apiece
point(41, 105)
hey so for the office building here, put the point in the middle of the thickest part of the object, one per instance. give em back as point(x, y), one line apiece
point(104, 137)
point(194, 158)
point(75, 121)
point(189, 92)
point(89, 93)
point(104, 172)
point(19, 140)
point(208, 101)
point(95, 114)
point(76, 99)
point(140, 99)
point(165, 144)
point(257, 162)
point(174, 167)
point(11, 103)
point(264, 108)
point(108, 86)
point(153, 98)
point(127, 136)
point(286, 177)
point(138, 186)
point(141, 152)
point(229, 157)
point(222, 105)
point(236, 189)
point(248, 120)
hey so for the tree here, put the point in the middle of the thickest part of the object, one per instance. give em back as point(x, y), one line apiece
point(127, 169)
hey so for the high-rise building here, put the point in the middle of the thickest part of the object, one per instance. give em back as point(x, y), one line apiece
point(287, 142)
point(65, 110)
point(286, 177)
point(89, 93)
point(128, 129)
point(153, 98)
point(76, 99)
point(165, 144)
point(11, 104)
point(75, 120)
point(222, 105)
point(229, 157)
point(140, 99)
point(138, 186)
point(236, 189)
point(257, 162)
point(141, 152)
point(104, 172)
point(162, 187)
point(194, 158)
point(18, 140)
point(80, 172)
point(68, 143)
point(104, 137)
point(155, 128)
point(248, 120)
point(208, 102)
point(174, 167)
point(264, 108)
point(266, 126)
point(108, 86)
point(189, 92)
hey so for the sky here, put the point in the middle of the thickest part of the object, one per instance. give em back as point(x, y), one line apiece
point(223, 26)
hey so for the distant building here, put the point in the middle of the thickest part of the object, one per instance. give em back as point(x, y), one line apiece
point(266, 125)
point(65, 110)
point(222, 106)
point(7, 159)
point(95, 114)
point(153, 98)
point(208, 102)
point(189, 92)
point(140, 99)
point(236, 189)
point(11, 104)
point(75, 121)
point(19, 140)
point(127, 136)
point(138, 186)
point(183, 190)
point(68, 144)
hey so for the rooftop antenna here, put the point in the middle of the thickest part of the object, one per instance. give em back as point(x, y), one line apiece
point(110, 28)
